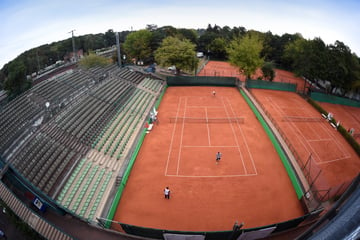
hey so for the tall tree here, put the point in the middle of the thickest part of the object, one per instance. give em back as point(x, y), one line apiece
point(110, 38)
point(159, 34)
point(296, 55)
point(344, 69)
point(280, 45)
point(189, 34)
point(205, 40)
point(268, 71)
point(16, 81)
point(138, 45)
point(244, 53)
point(218, 48)
point(177, 52)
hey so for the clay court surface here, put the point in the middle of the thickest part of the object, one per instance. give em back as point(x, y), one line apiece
point(225, 69)
point(329, 150)
point(349, 117)
point(249, 184)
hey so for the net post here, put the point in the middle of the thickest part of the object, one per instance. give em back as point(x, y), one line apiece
point(309, 158)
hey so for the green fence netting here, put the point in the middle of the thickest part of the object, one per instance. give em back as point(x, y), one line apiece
point(201, 81)
point(290, 87)
point(323, 97)
point(277, 227)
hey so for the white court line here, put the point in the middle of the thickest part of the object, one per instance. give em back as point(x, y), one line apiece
point(236, 140)
point(244, 138)
point(211, 176)
point(333, 160)
point(321, 140)
point(206, 146)
point(335, 139)
point(181, 138)
point(307, 142)
point(207, 126)
point(316, 132)
point(172, 138)
point(293, 129)
point(203, 106)
point(181, 146)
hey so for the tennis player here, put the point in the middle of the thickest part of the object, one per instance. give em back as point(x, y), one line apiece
point(167, 193)
point(218, 157)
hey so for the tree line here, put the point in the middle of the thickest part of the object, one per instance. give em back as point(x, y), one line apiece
point(247, 49)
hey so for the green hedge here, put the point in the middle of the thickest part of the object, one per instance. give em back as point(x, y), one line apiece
point(354, 144)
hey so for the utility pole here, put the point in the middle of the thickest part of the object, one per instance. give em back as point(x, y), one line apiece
point(73, 44)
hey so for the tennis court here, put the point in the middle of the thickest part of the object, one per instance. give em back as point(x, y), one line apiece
point(225, 69)
point(311, 135)
point(248, 185)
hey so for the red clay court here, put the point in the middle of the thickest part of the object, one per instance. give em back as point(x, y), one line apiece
point(224, 69)
point(249, 184)
point(329, 150)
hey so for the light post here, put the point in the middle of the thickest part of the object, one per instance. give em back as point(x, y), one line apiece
point(73, 44)
point(124, 58)
point(118, 48)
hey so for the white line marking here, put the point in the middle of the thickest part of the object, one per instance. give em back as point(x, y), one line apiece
point(301, 138)
point(334, 138)
point(336, 141)
point(207, 126)
point(306, 142)
point(186, 146)
point(320, 140)
point(235, 136)
point(333, 160)
point(206, 146)
point(181, 138)
point(203, 107)
point(205, 176)
point(244, 139)
point(172, 138)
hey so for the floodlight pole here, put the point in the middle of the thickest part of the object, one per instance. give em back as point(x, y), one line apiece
point(38, 62)
point(118, 48)
point(73, 44)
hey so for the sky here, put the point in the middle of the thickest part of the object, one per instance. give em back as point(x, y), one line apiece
point(26, 24)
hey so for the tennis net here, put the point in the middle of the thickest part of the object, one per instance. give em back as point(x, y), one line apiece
point(301, 119)
point(206, 120)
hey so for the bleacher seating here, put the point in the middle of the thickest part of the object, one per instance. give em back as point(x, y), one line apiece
point(100, 110)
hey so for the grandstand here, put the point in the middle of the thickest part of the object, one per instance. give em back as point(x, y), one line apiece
point(69, 136)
